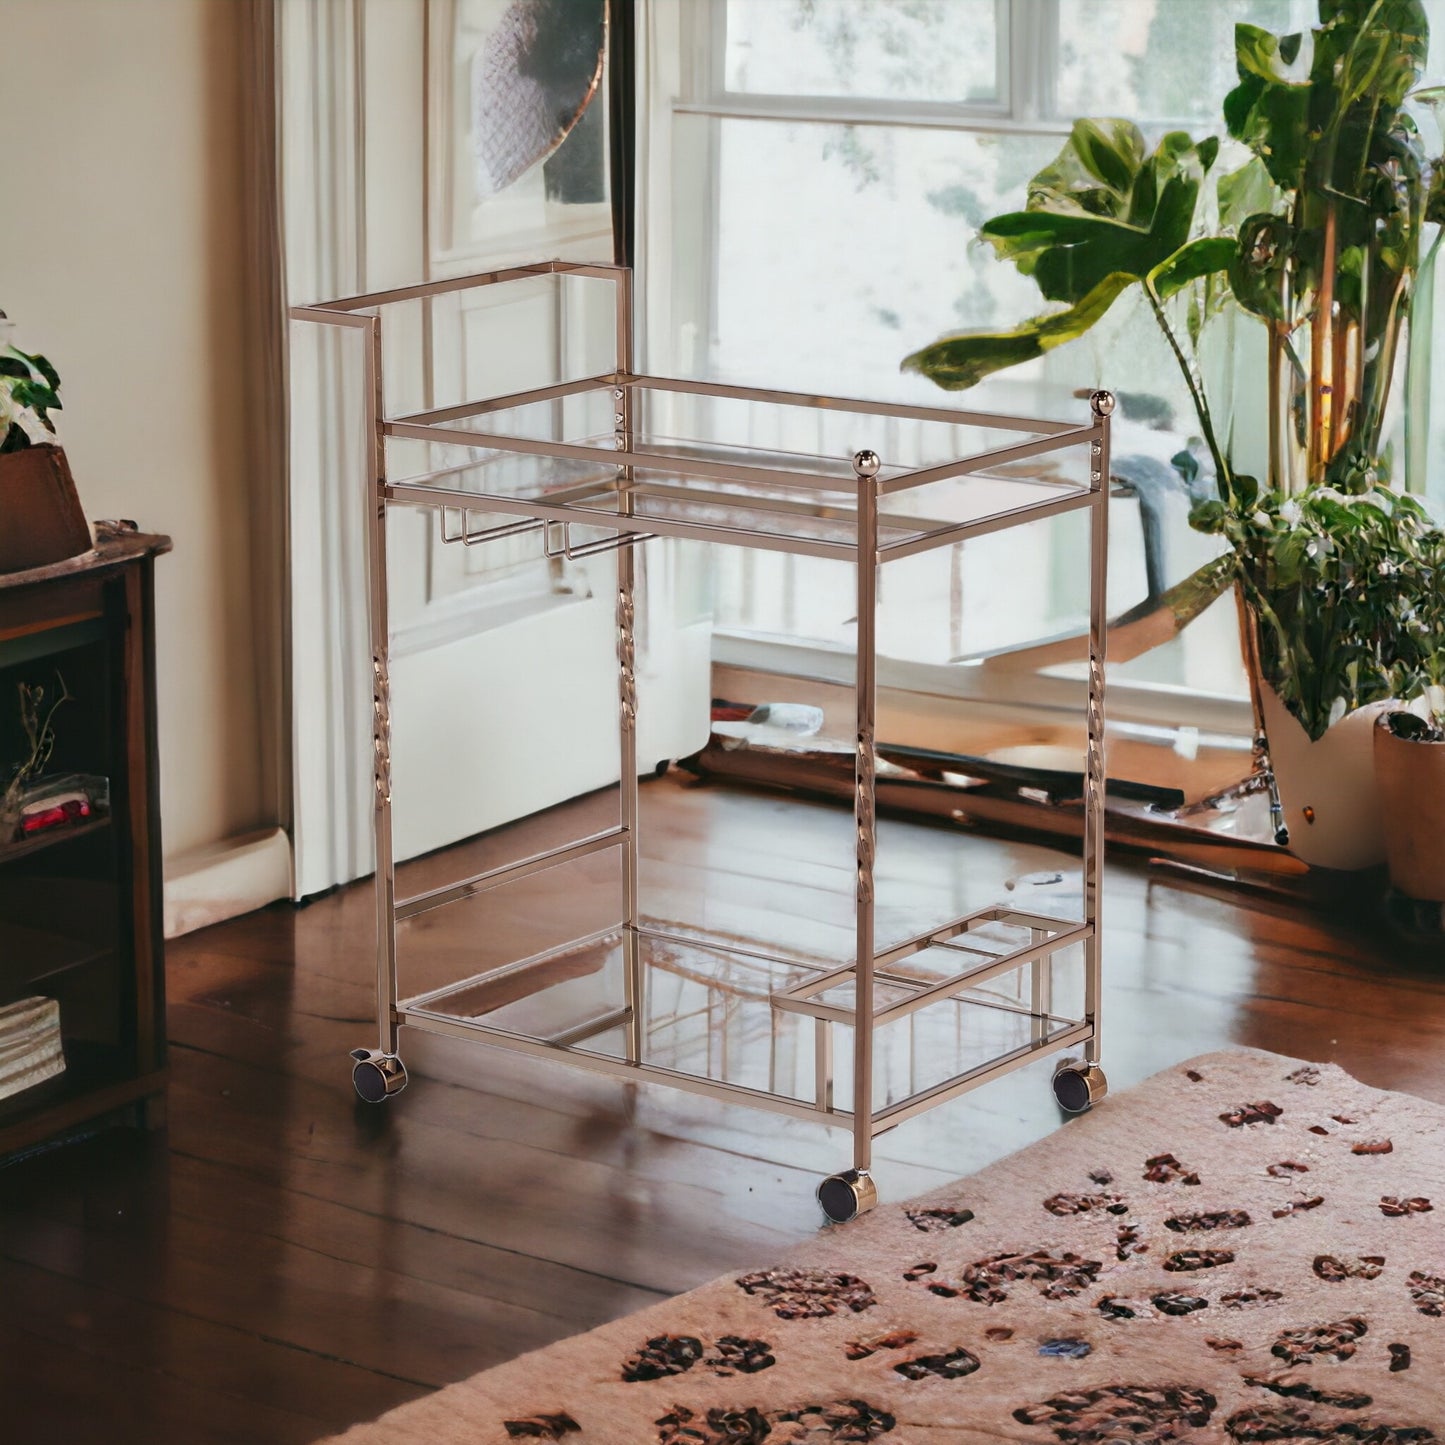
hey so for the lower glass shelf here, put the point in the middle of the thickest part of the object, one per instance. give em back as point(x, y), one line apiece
point(710, 1015)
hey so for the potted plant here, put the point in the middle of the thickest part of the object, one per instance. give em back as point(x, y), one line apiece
point(1410, 746)
point(1318, 235)
point(1344, 590)
point(40, 515)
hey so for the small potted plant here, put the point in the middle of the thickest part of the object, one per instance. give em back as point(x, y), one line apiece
point(41, 520)
point(1345, 587)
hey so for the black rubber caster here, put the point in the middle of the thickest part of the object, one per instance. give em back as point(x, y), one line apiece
point(845, 1196)
point(1078, 1087)
point(377, 1076)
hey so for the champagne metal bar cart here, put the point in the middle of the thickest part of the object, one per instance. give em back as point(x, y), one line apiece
point(611, 461)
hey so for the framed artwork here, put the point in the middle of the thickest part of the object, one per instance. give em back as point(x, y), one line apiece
point(517, 130)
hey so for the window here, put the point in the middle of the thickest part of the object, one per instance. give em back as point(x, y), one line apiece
point(941, 52)
point(828, 163)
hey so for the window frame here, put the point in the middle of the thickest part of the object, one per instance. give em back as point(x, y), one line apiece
point(1026, 81)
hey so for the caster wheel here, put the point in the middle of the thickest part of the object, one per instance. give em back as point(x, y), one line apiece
point(845, 1196)
point(1078, 1087)
point(377, 1076)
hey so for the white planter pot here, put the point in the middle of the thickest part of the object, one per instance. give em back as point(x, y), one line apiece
point(1327, 787)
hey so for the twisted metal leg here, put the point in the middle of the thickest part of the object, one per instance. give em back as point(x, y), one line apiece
point(627, 723)
point(623, 421)
point(1102, 404)
point(380, 624)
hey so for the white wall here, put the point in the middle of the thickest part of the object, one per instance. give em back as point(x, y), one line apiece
point(121, 248)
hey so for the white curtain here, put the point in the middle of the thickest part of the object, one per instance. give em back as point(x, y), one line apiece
point(265, 405)
point(319, 68)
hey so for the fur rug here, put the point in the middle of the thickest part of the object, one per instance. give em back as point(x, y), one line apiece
point(1241, 1249)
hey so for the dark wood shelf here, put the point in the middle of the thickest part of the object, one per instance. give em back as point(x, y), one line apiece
point(52, 837)
point(31, 958)
point(88, 1066)
point(63, 1104)
point(83, 925)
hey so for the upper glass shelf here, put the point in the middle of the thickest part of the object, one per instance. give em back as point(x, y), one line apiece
point(730, 464)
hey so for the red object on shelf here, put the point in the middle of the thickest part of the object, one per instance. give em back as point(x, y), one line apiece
point(55, 813)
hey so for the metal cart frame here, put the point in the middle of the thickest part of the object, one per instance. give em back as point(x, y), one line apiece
point(379, 1072)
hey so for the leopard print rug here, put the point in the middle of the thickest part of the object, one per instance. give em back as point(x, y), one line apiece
point(1242, 1249)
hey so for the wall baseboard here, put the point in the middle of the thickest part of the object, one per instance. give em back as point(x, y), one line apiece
point(224, 880)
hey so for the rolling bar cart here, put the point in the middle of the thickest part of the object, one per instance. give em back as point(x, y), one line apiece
point(597, 465)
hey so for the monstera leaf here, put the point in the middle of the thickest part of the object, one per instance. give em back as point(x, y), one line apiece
point(1268, 110)
point(1105, 215)
point(1322, 129)
point(1103, 206)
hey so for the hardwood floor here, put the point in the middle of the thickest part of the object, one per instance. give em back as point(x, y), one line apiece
point(283, 1260)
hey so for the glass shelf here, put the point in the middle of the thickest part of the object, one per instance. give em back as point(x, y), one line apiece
point(732, 467)
point(711, 1014)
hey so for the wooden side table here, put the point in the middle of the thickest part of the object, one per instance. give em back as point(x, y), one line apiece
point(80, 904)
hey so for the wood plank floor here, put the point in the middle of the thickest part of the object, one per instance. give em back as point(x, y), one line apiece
point(283, 1261)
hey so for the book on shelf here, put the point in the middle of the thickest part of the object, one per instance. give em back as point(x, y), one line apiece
point(30, 1047)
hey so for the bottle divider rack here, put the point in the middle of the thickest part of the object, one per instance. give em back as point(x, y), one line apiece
point(633, 483)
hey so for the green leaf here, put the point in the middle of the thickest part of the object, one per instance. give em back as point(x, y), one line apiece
point(1102, 207)
point(1109, 150)
point(1260, 266)
point(35, 395)
point(963, 360)
point(1095, 170)
point(1190, 262)
point(1246, 192)
point(1273, 121)
point(46, 370)
point(1256, 52)
point(1268, 110)
point(1373, 48)
point(1208, 516)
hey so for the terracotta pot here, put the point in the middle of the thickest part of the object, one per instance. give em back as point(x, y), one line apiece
point(1327, 787)
point(40, 516)
point(1411, 780)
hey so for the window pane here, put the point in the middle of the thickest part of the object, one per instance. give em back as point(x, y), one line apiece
point(928, 50)
point(866, 254)
point(838, 249)
point(1158, 59)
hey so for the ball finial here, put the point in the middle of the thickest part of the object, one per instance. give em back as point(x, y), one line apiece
point(866, 463)
point(1103, 403)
